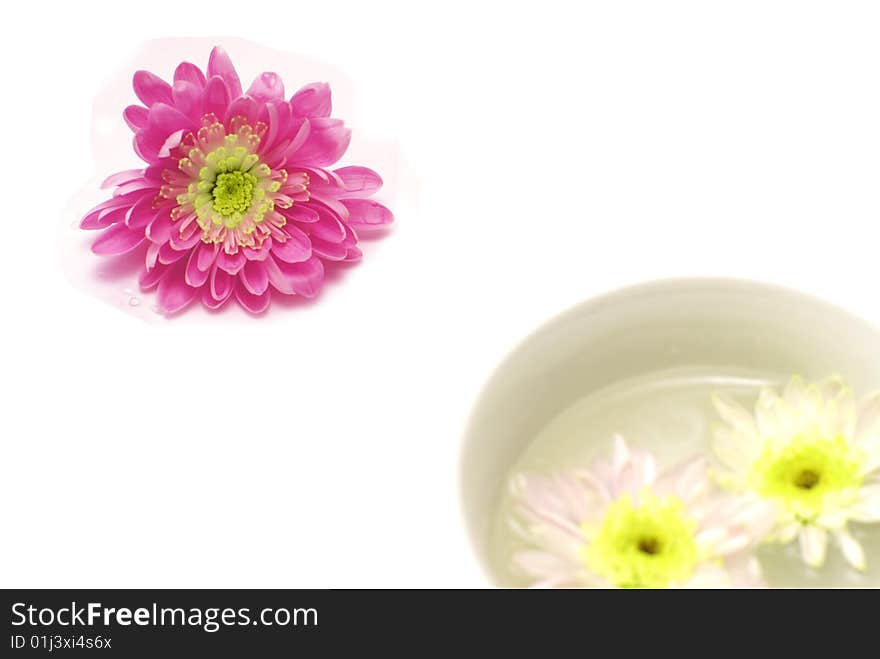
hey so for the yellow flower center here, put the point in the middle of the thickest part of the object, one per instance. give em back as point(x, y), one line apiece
point(805, 473)
point(651, 545)
point(232, 185)
point(233, 192)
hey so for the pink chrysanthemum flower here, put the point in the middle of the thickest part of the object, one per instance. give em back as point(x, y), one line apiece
point(625, 525)
point(236, 199)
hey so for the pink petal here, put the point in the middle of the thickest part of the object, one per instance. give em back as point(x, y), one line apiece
point(207, 256)
point(254, 277)
point(216, 97)
point(210, 302)
point(159, 230)
point(155, 172)
point(166, 119)
point(267, 87)
point(151, 258)
point(189, 73)
point(193, 275)
point(171, 142)
point(103, 218)
point(328, 229)
point(135, 116)
point(323, 203)
point(328, 250)
point(367, 213)
point(327, 141)
point(260, 254)
point(221, 284)
point(277, 121)
point(184, 244)
point(300, 213)
point(231, 263)
point(122, 177)
point(300, 136)
point(312, 100)
point(118, 239)
point(140, 214)
point(149, 279)
point(219, 64)
point(277, 278)
point(304, 278)
point(243, 106)
point(296, 248)
point(144, 148)
point(188, 98)
point(168, 255)
point(359, 181)
point(174, 293)
point(139, 185)
point(253, 303)
point(150, 88)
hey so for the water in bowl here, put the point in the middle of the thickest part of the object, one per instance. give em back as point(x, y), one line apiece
point(669, 413)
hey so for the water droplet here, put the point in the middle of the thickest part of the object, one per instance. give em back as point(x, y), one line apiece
point(134, 301)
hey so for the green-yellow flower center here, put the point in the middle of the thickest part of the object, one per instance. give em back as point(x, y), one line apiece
point(233, 192)
point(232, 185)
point(802, 474)
point(650, 545)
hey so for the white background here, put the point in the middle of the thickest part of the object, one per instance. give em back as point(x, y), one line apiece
point(547, 151)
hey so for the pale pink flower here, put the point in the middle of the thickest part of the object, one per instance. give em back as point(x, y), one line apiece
point(623, 523)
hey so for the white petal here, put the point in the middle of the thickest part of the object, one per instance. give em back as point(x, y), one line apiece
point(831, 388)
point(833, 518)
point(649, 468)
point(796, 392)
point(542, 564)
point(852, 550)
point(735, 415)
point(734, 449)
point(868, 425)
point(708, 576)
point(745, 571)
point(867, 506)
point(847, 415)
point(772, 415)
point(872, 462)
point(575, 495)
point(711, 536)
point(592, 481)
point(787, 533)
point(630, 478)
point(620, 455)
point(693, 480)
point(686, 480)
point(733, 544)
point(758, 517)
point(562, 581)
point(553, 540)
point(814, 544)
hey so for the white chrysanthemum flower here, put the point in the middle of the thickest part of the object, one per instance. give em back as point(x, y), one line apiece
point(815, 453)
point(623, 524)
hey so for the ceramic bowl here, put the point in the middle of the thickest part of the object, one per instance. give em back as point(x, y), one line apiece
point(714, 325)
